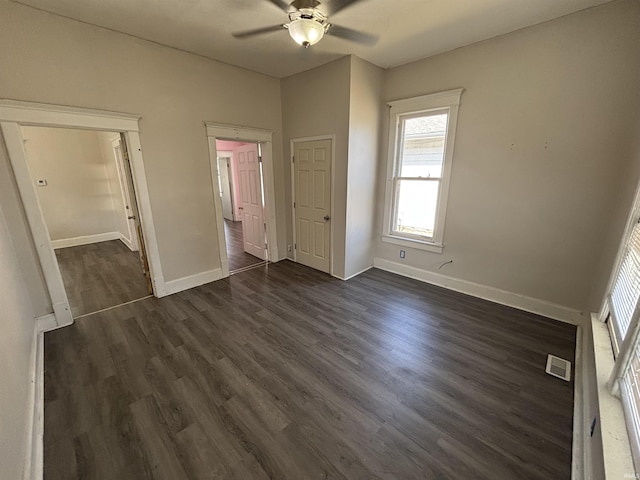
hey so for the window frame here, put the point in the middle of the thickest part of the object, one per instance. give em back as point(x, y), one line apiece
point(624, 347)
point(449, 102)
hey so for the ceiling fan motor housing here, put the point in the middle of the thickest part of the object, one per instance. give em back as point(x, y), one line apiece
point(307, 26)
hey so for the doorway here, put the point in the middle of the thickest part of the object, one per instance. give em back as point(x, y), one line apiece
point(85, 192)
point(241, 191)
point(13, 115)
point(263, 139)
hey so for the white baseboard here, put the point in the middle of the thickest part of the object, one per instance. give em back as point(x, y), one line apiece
point(503, 297)
point(126, 241)
point(354, 274)
point(33, 466)
point(185, 283)
point(51, 321)
point(578, 450)
point(273, 255)
point(85, 240)
point(46, 323)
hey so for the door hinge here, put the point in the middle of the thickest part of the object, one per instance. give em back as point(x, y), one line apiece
point(294, 204)
point(293, 159)
point(295, 246)
point(259, 159)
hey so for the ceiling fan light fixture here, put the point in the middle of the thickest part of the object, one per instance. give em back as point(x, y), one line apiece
point(306, 31)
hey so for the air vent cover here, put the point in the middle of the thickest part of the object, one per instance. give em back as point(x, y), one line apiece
point(558, 367)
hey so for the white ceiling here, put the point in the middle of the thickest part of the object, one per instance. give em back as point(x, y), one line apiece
point(408, 29)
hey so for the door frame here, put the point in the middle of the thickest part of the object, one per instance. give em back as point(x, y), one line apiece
point(13, 115)
point(293, 141)
point(219, 131)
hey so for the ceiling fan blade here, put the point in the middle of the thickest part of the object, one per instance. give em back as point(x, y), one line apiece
point(352, 35)
point(281, 5)
point(258, 31)
point(336, 5)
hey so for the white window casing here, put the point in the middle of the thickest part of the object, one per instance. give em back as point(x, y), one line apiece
point(623, 311)
point(402, 111)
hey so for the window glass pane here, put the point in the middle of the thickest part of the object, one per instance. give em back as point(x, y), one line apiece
point(416, 207)
point(626, 288)
point(422, 148)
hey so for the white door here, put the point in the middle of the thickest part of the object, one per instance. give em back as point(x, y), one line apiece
point(225, 188)
point(133, 208)
point(312, 203)
point(251, 208)
point(126, 195)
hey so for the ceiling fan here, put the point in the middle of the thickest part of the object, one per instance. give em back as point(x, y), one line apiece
point(307, 24)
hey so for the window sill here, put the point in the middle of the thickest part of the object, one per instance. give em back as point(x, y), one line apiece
point(417, 244)
point(618, 461)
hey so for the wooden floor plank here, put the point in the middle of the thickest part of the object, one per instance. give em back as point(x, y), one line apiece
point(283, 372)
point(100, 275)
point(238, 258)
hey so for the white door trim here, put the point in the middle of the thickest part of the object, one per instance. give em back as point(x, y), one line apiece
point(219, 131)
point(13, 114)
point(331, 137)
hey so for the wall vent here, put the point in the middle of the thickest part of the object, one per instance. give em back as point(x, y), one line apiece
point(558, 367)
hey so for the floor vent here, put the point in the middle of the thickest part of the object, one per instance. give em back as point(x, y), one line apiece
point(558, 367)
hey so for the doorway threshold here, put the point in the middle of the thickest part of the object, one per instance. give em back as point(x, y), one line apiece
point(250, 267)
point(111, 308)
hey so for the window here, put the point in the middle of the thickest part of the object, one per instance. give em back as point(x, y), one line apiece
point(421, 138)
point(623, 305)
point(626, 289)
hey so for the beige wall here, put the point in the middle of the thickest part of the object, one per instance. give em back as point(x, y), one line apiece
point(611, 240)
point(50, 59)
point(316, 102)
point(17, 316)
point(544, 143)
point(81, 195)
point(365, 123)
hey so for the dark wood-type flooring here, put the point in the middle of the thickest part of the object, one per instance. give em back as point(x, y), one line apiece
point(238, 258)
point(283, 372)
point(100, 275)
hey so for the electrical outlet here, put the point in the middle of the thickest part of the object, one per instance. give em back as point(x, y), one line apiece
point(402, 254)
point(289, 248)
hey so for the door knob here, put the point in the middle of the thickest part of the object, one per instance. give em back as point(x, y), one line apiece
point(327, 218)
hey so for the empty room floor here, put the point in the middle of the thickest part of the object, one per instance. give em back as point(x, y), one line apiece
point(283, 372)
point(238, 258)
point(100, 275)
